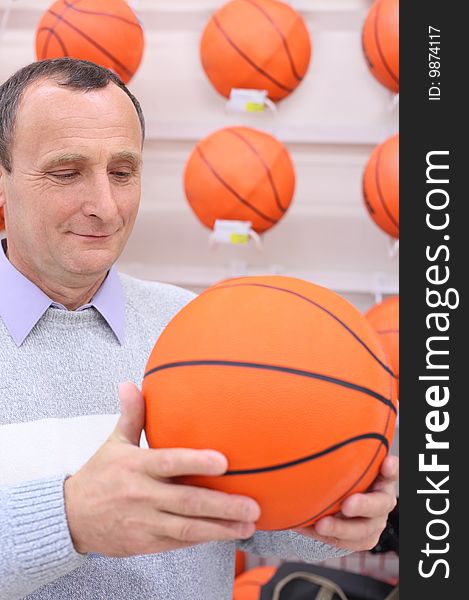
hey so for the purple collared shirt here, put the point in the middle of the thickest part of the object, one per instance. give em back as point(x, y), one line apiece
point(22, 303)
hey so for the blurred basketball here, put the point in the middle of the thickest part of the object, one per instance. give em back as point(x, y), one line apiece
point(384, 318)
point(380, 41)
point(106, 33)
point(256, 44)
point(240, 562)
point(381, 186)
point(288, 380)
point(240, 173)
point(247, 586)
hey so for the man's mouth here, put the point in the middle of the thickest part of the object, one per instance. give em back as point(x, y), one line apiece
point(93, 236)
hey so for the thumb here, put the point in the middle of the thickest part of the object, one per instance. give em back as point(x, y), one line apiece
point(132, 420)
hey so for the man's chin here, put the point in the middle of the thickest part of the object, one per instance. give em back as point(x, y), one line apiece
point(98, 264)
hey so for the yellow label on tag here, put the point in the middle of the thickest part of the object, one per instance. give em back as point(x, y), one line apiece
point(239, 238)
point(254, 107)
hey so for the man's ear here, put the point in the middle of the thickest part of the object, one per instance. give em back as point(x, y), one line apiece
point(2, 186)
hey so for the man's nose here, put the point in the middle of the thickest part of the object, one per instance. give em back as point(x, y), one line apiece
point(101, 202)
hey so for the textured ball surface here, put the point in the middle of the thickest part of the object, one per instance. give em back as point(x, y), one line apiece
point(106, 33)
point(256, 44)
point(380, 41)
point(381, 186)
point(288, 380)
point(384, 318)
point(242, 174)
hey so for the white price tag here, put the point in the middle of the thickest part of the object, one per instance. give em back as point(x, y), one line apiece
point(249, 101)
point(231, 232)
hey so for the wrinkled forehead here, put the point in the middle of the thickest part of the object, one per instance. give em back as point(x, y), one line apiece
point(51, 116)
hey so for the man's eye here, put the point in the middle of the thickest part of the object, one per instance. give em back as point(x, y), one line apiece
point(65, 175)
point(121, 174)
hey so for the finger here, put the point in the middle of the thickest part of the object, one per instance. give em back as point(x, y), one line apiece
point(186, 529)
point(350, 530)
point(389, 470)
point(174, 462)
point(200, 502)
point(355, 546)
point(131, 422)
point(371, 505)
point(164, 544)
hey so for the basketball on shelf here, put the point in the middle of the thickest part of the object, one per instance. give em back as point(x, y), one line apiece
point(288, 380)
point(384, 318)
point(381, 186)
point(241, 174)
point(256, 44)
point(106, 33)
point(380, 41)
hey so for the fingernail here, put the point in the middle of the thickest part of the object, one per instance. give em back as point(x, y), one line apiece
point(217, 463)
point(253, 511)
point(247, 530)
point(323, 527)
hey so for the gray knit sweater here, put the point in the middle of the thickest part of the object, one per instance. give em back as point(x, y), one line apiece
point(58, 404)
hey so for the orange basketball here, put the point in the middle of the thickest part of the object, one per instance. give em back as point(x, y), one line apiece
point(288, 380)
point(384, 318)
point(380, 41)
point(381, 186)
point(240, 562)
point(247, 586)
point(106, 33)
point(256, 44)
point(2, 220)
point(242, 174)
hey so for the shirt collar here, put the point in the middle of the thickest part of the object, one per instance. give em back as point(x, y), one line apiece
point(23, 303)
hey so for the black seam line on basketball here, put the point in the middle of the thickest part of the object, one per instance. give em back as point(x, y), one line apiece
point(346, 492)
point(52, 30)
point(278, 368)
point(101, 14)
point(233, 191)
point(266, 167)
point(299, 461)
point(380, 51)
point(355, 483)
point(284, 41)
point(380, 191)
point(249, 60)
point(56, 35)
point(93, 43)
point(331, 314)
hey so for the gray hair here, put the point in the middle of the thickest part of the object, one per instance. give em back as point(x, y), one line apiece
point(67, 72)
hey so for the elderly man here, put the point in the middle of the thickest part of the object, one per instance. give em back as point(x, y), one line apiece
point(85, 512)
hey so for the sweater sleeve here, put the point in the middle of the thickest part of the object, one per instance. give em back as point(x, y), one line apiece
point(289, 545)
point(35, 543)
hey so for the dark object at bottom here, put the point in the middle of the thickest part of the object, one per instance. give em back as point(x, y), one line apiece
point(389, 539)
point(302, 581)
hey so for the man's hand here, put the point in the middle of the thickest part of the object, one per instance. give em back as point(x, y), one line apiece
point(122, 502)
point(363, 516)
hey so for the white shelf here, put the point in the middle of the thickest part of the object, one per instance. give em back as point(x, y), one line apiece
point(318, 136)
point(202, 277)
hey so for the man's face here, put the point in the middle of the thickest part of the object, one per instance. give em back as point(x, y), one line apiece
point(72, 197)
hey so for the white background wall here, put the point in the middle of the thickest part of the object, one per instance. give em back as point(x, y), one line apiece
point(330, 125)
